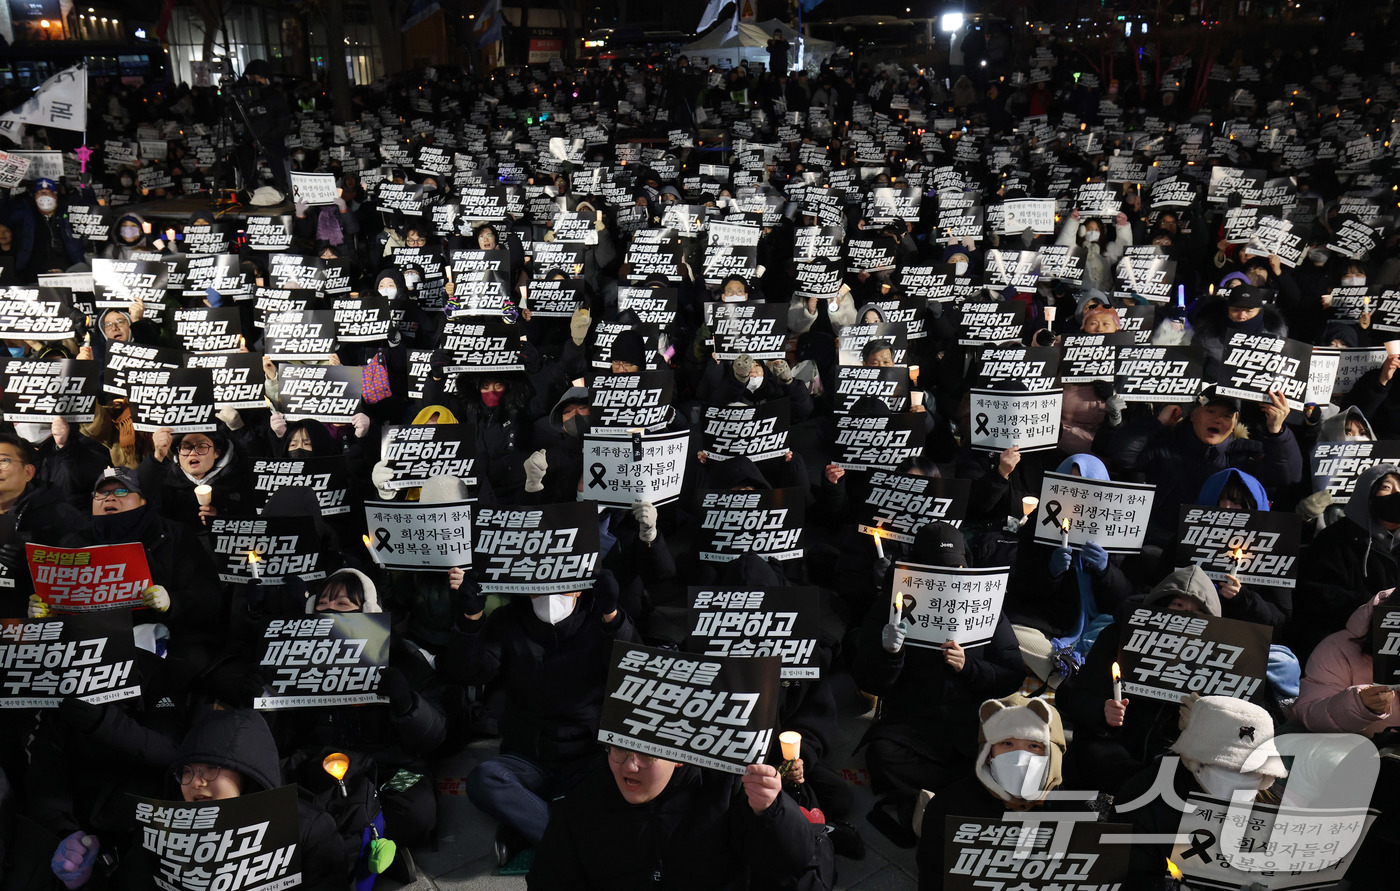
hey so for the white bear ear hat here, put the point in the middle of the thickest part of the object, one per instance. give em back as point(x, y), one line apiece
point(371, 601)
point(1017, 717)
point(1230, 733)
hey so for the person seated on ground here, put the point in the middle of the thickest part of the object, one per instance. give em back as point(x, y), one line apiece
point(642, 822)
point(1019, 763)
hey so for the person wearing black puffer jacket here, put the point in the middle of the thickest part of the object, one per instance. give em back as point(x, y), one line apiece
point(550, 653)
point(232, 754)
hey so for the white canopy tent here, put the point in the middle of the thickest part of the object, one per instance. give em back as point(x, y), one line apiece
point(750, 44)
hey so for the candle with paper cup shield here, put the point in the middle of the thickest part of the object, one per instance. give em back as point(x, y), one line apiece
point(1050, 317)
point(1392, 347)
point(204, 494)
point(336, 764)
point(1028, 505)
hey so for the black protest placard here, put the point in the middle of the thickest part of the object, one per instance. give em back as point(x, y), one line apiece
point(1228, 181)
point(417, 453)
point(35, 314)
point(409, 199)
point(208, 330)
point(898, 505)
point(363, 319)
point(407, 535)
point(91, 656)
point(1257, 547)
point(326, 660)
point(490, 202)
point(1076, 510)
point(653, 252)
point(870, 253)
point(326, 477)
point(248, 842)
point(709, 711)
point(929, 282)
point(754, 329)
point(625, 401)
point(724, 260)
point(739, 622)
point(548, 549)
point(768, 523)
point(990, 321)
point(1018, 368)
point(575, 228)
point(428, 261)
point(879, 442)
point(1014, 269)
point(820, 278)
point(1353, 239)
point(854, 338)
point(981, 854)
point(756, 432)
point(326, 393)
point(116, 284)
point(269, 233)
point(1091, 357)
point(652, 306)
point(1138, 321)
point(181, 399)
point(1062, 263)
point(208, 238)
point(1255, 365)
point(238, 378)
point(1149, 276)
point(943, 603)
point(886, 205)
point(307, 336)
point(1336, 466)
point(1277, 237)
point(1167, 655)
point(555, 298)
point(1174, 193)
point(38, 391)
point(1158, 373)
point(284, 547)
point(478, 347)
point(89, 222)
point(889, 384)
point(1028, 420)
point(480, 282)
point(605, 334)
point(123, 358)
point(269, 303)
point(621, 471)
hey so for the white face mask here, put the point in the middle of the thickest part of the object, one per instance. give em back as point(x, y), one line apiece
point(1091, 236)
point(412, 281)
point(1357, 437)
point(1020, 773)
point(1318, 257)
point(126, 181)
point(130, 233)
point(754, 383)
point(46, 203)
point(1221, 782)
point(388, 293)
point(960, 267)
point(1353, 281)
point(553, 608)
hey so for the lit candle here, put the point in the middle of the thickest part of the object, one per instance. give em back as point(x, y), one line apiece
point(1239, 559)
point(204, 494)
point(369, 547)
point(1174, 874)
point(1117, 683)
point(879, 548)
point(913, 374)
point(254, 565)
point(1028, 505)
point(336, 764)
point(1050, 318)
point(1064, 532)
point(791, 742)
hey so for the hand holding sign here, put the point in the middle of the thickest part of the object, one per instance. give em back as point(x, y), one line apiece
point(1275, 412)
point(762, 785)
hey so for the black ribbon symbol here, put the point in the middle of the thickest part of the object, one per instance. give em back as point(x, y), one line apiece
point(383, 535)
point(982, 424)
point(1200, 848)
point(1052, 515)
point(598, 471)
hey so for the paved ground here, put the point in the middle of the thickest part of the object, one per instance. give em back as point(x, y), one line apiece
point(466, 859)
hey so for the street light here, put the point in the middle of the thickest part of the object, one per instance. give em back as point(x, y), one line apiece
point(950, 22)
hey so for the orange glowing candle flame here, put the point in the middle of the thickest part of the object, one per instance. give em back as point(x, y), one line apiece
point(1172, 869)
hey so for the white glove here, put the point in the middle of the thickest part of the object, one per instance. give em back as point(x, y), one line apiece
point(156, 597)
point(360, 421)
point(535, 466)
point(381, 475)
point(38, 609)
point(278, 423)
point(645, 512)
point(230, 416)
point(892, 637)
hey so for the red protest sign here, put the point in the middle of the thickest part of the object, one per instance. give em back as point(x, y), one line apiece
point(80, 580)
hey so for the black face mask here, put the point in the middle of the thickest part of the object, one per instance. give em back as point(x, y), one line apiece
point(299, 454)
point(577, 426)
point(125, 526)
point(1386, 508)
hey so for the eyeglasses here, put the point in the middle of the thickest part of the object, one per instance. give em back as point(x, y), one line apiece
point(116, 325)
point(7, 462)
point(197, 448)
point(111, 493)
point(186, 774)
point(619, 756)
point(415, 241)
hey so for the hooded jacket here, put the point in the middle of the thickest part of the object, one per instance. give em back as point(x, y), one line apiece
point(1150, 725)
point(1329, 700)
point(698, 834)
point(1346, 564)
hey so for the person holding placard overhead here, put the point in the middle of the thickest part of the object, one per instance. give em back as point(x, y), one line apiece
point(925, 736)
